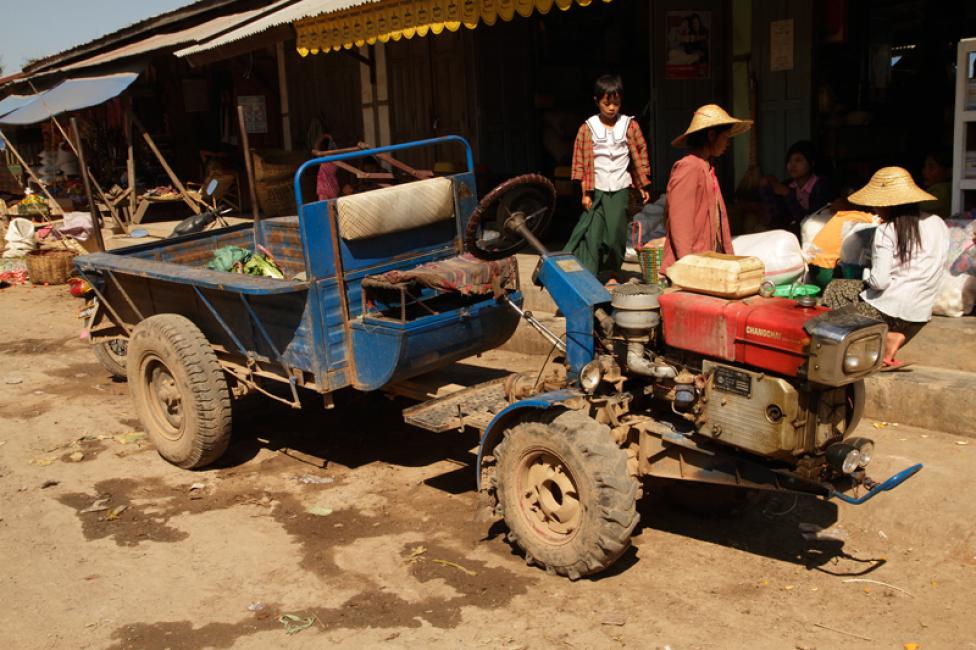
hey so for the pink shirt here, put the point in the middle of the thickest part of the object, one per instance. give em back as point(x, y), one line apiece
point(697, 221)
point(327, 182)
point(803, 193)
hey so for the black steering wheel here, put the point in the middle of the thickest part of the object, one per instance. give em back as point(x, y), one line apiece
point(528, 200)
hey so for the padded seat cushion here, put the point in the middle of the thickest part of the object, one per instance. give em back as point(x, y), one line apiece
point(395, 208)
point(465, 274)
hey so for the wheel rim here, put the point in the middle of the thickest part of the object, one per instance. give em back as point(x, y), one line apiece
point(164, 398)
point(549, 496)
point(119, 348)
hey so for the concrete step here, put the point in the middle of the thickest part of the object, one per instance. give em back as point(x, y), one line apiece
point(526, 340)
point(925, 396)
point(536, 299)
point(944, 343)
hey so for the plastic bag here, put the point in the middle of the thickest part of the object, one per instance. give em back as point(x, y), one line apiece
point(813, 224)
point(957, 295)
point(649, 222)
point(19, 238)
point(77, 225)
point(957, 292)
point(857, 243)
point(779, 251)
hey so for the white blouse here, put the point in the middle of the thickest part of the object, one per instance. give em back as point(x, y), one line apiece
point(908, 291)
point(611, 155)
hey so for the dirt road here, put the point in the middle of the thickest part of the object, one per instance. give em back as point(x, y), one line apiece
point(104, 545)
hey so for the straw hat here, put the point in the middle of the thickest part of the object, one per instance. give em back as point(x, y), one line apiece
point(708, 116)
point(890, 186)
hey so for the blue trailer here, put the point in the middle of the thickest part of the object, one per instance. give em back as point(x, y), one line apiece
point(340, 318)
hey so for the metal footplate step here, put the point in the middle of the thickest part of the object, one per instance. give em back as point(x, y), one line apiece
point(474, 406)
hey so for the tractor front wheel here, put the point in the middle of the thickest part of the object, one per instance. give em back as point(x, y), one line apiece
point(563, 487)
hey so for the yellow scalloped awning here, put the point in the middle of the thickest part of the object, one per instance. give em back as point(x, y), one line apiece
point(395, 19)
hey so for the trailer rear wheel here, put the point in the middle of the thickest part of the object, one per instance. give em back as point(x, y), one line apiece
point(112, 355)
point(179, 390)
point(564, 490)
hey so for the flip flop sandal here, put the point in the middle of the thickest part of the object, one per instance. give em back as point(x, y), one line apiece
point(890, 366)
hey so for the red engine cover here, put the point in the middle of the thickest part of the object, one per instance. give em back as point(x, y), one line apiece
point(766, 333)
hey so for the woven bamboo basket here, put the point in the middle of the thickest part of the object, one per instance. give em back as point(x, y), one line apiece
point(275, 198)
point(650, 259)
point(50, 266)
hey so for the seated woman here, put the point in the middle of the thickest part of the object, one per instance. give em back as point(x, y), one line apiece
point(803, 193)
point(908, 259)
point(825, 249)
point(937, 176)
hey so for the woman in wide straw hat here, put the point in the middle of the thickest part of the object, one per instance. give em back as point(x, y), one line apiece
point(697, 221)
point(908, 259)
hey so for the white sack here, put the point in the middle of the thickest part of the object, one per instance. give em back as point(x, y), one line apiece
point(19, 237)
point(857, 243)
point(779, 251)
point(812, 224)
point(957, 295)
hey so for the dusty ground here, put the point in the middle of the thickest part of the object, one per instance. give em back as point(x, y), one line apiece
point(404, 558)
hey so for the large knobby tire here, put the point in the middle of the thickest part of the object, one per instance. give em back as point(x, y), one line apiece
point(179, 390)
point(563, 487)
point(112, 355)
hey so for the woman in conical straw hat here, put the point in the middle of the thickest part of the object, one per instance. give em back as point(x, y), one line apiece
point(697, 221)
point(908, 258)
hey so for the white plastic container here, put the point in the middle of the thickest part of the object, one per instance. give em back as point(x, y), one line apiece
point(717, 274)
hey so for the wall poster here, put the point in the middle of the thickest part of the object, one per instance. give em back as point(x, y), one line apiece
point(689, 44)
point(781, 45)
point(255, 113)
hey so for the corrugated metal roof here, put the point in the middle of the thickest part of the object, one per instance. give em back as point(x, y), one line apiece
point(298, 11)
point(145, 26)
point(158, 42)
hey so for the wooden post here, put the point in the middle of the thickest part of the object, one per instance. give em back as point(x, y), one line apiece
point(30, 172)
point(248, 163)
point(95, 216)
point(283, 94)
point(174, 179)
point(130, 163)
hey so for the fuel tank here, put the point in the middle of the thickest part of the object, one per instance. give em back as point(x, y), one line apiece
point(765, 333)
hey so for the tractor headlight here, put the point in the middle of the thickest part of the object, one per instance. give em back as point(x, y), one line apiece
point(843, 457)
point(865, 449)
point(844, 347)
point(863, 354)
point(590, 376)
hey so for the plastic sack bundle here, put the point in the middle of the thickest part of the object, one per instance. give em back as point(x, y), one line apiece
point(957, 292)
point(651, 226)
point(779, 251)
point(19, 238)
point(813, 224)
point(857, 243)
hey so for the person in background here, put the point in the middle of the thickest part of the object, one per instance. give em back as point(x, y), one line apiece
point(937, 178)
point(697, 220)
point(908, 260)
point(327, 181)
point(609, 158)
point(802, 193)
